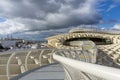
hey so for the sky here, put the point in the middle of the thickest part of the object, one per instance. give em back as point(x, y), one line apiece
point(37, 19)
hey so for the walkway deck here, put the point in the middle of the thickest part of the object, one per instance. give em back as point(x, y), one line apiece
point(50, 72)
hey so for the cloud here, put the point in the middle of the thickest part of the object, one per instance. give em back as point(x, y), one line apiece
point(110, 21)
point(9, 26)
point(116, 26)
point(39, 15)
point(111, 7)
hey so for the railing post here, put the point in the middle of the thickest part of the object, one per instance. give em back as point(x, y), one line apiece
point(26, 60)
point(8, 66)
point(41, 57)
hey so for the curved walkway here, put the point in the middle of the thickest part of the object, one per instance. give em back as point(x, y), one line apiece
point(49, 72)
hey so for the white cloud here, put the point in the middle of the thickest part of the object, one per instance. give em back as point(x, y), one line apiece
point(111, 7)
point(10, 26)
point(116, 26)
point(39, 15)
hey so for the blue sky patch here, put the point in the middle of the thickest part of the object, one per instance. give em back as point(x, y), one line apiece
point(2, 19)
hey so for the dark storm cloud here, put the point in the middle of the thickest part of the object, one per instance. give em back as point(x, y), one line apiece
point(110, 21)
point(49, 14)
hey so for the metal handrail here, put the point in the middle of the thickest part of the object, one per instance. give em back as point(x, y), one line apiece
point(107, 73)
